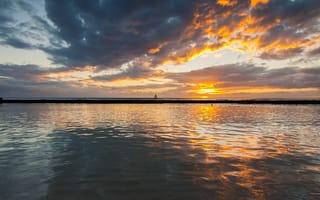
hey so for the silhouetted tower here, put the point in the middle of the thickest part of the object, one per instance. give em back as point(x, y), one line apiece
point(155, 96)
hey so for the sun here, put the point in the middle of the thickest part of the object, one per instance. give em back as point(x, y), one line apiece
point(205, 89)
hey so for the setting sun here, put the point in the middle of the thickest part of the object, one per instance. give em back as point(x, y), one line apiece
point(206, 91)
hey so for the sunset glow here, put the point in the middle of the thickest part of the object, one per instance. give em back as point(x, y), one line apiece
point(242, 49)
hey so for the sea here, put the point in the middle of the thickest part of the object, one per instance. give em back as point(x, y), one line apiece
point(159, 151)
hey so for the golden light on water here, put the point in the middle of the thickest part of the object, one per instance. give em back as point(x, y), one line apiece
point(224, 150)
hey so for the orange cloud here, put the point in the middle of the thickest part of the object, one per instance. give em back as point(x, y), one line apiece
point(67, 74)
point(226, 80)
point(237, 27)
point(227, 2)
point(254, 3)
point(256, 92)
point(157, 49)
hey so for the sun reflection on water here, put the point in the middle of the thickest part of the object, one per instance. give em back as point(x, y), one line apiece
point(216, 151)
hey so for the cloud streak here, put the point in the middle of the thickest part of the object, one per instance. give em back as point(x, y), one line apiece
point(249, 75)
point(216, 80)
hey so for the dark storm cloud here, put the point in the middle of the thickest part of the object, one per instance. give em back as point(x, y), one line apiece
point(278, 29)
point(294, 22)
point(5, 18)
point(247, 75)
point(110, 33)
point(296, 13)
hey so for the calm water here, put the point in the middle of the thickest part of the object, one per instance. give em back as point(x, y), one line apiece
point(82, 151)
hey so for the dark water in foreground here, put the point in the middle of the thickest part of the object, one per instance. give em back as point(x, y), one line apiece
point(81, 151)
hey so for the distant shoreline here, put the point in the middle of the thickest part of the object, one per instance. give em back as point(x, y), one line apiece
point(157, 101)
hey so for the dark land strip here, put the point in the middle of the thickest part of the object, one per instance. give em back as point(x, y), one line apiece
point(158, 101)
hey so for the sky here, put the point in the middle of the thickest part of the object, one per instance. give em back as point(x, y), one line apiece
point(216, 49)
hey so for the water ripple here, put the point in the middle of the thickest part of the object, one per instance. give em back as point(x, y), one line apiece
point(82, 151)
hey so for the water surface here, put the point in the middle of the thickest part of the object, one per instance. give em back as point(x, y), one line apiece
point(162, 151)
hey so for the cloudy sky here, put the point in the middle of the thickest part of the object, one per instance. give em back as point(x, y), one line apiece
point(235, 49)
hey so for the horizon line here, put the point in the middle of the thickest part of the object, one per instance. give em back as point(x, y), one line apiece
point(159, 101)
